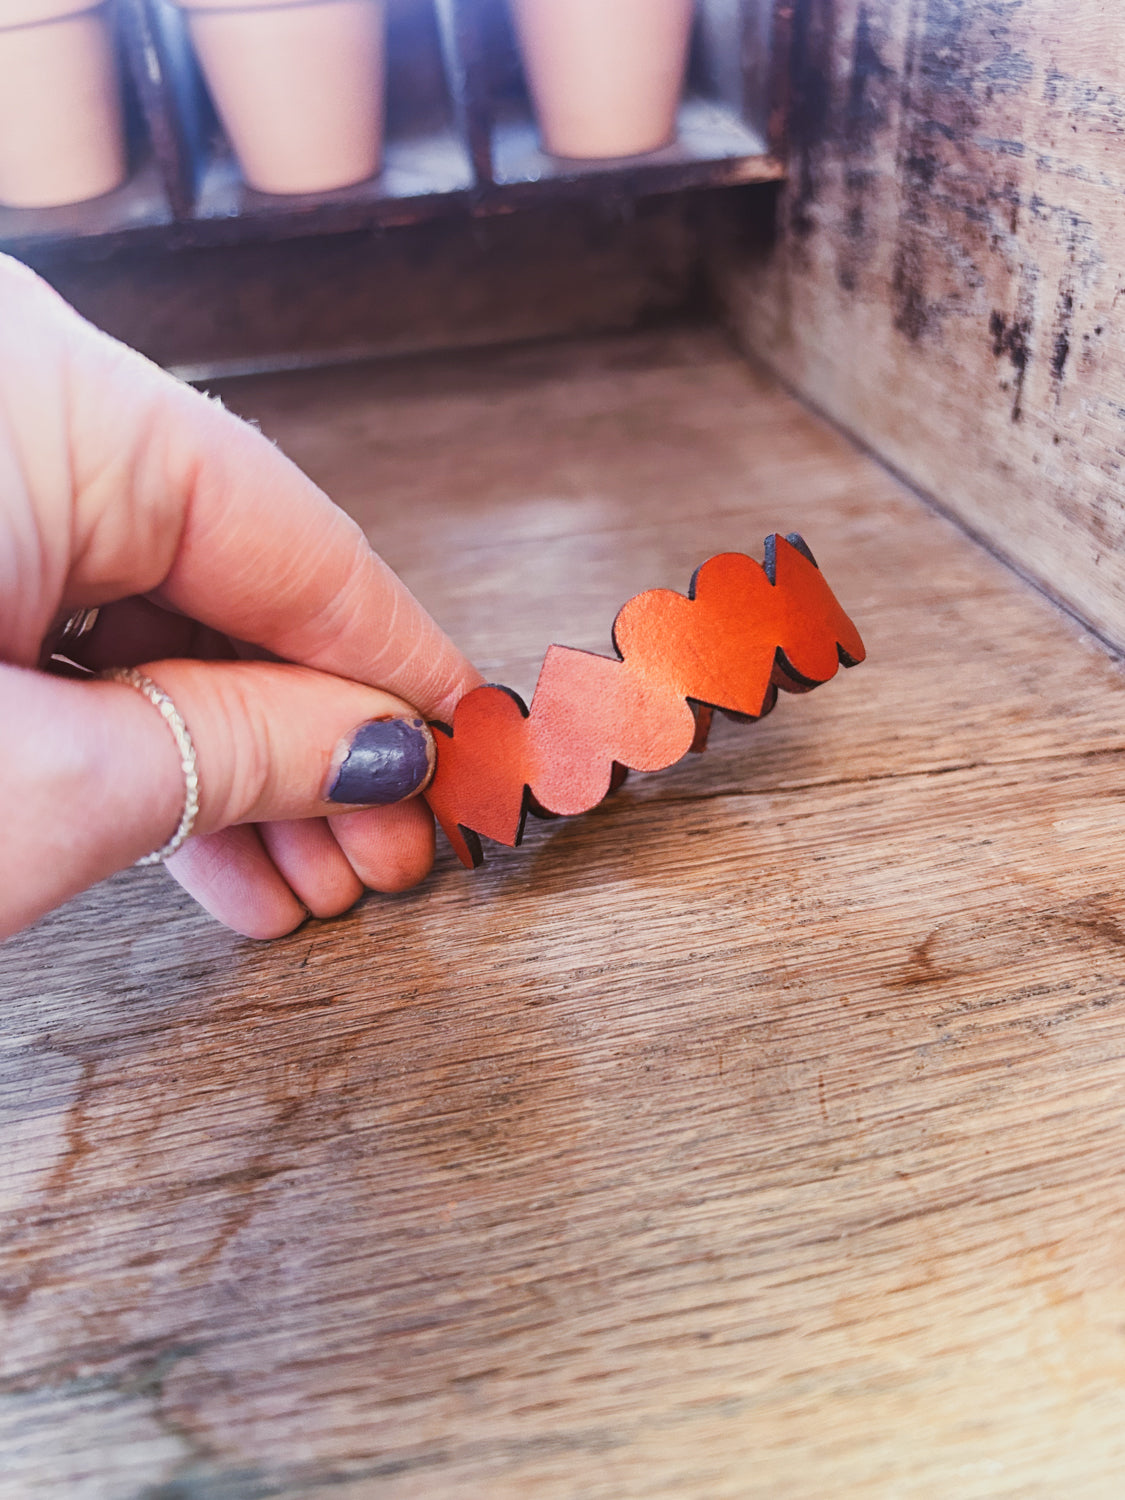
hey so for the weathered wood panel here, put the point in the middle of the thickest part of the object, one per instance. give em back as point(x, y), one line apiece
point(948, 275)
point(540, 273)
point(757, 1136)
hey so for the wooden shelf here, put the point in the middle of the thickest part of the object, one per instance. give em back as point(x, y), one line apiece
point(418, 173)
point(711, 139)
point(141, 203)
point(461, 137)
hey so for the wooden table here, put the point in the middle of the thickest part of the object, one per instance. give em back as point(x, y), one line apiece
point(758, 1134)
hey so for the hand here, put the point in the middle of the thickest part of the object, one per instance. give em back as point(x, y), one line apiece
point(202, 546)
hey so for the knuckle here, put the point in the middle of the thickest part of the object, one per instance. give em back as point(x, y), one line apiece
point(252, 753)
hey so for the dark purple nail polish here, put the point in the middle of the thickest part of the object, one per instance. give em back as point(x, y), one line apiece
point(384, 761)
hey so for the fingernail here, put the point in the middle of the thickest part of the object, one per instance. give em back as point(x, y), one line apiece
point(383, 761)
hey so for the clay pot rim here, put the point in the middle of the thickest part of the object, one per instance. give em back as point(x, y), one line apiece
point(18, 15)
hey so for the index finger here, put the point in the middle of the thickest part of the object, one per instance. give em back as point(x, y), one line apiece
point(173, 496)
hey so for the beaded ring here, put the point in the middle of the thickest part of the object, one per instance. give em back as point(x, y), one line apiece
point(172, 717)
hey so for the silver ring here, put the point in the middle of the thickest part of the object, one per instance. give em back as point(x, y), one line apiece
point(80, 623)
point(174, 720)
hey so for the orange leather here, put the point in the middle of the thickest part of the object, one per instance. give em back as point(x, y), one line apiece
point(742, 632)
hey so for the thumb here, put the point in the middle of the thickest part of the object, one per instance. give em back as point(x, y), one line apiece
point(91, 777)
point(277, 741)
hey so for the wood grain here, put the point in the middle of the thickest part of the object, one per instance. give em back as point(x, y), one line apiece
point(947, 275)
point(757, 1134)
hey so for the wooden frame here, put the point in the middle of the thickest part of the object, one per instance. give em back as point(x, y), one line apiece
point(460, 133)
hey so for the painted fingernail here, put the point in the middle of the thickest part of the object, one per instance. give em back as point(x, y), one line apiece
point(383, 761)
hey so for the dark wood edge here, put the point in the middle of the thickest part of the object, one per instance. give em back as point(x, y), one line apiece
point(781, 42)
point(389, 213)
point(638, 181)
point(467, 80)
point(279, 223)
point(148, 64)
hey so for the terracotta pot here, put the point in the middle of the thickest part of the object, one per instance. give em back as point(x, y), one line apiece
point(605, 75)
point(298, 85)
point(62, 139)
